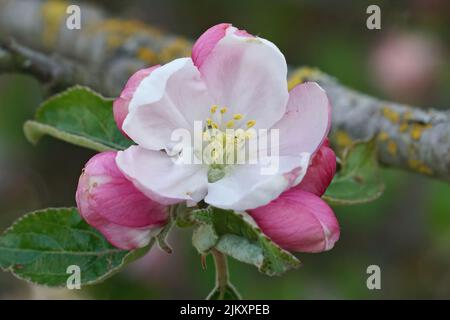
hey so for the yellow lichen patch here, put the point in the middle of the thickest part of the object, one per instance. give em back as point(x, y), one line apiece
point(301, 75)
point(403, 127)
point(407, 115)
point(147, 55)
point(392, 147)
point(177, 48)
point(53, 13)
point(127, 27)
point(117, 31)
point(391, 115)
point(343, 139)
point(383, 136)
point(114, 41)
point(419, 166)
point(417, 130)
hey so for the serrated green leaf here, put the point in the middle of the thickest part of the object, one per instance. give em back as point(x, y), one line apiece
point(40, 246)
point(359, 180)
point(241, 249)
point(240, 238)
point(229, 293)
point(78, 116)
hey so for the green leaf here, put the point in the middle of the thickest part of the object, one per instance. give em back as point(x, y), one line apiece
point(78, 116)
point(229, 293)
point(359, 180)
point(40, 246)
point(204, 238)
point(237, 235)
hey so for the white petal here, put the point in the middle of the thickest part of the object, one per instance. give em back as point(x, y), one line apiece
point(307, 120)
point(247, 75)
point(171, 97)
point(156, 175)
point(247, 187)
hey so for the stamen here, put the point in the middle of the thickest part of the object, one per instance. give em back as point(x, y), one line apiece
point(251, 123)
point(226, 144)
point(249, 134)
point(230, 124)
point(239, 134)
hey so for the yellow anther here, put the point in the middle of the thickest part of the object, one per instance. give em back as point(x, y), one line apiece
point(209, 122)
point(251, 123)
point(214, 125)
point(223, 110)
point(230, 124)
point(237, 116)
point(214, 108)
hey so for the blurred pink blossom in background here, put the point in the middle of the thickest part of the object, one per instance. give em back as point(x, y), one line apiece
point(405, 65)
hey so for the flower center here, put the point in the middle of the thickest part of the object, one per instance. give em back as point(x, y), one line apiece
point(225, 137)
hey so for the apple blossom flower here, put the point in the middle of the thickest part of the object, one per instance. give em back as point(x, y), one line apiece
point(110, 203)
point(233, 80)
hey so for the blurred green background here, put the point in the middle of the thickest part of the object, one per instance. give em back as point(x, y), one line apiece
point(406, 232)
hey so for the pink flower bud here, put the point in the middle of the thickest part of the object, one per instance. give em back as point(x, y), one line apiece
point(320, 172)
point(298, 221)
point(120, 106)
point(112, 204)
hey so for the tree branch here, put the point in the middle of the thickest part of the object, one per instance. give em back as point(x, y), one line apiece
point(105, 52)
point(407, 137)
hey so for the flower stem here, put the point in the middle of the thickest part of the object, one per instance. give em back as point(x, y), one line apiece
point(220, 261)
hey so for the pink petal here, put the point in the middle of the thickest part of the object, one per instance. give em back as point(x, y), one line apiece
point(320, 172)
point(307, 121)
point(246, 74)
point(298, 221)
point(207, 41)
point(120, 106)
point(111, 204)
